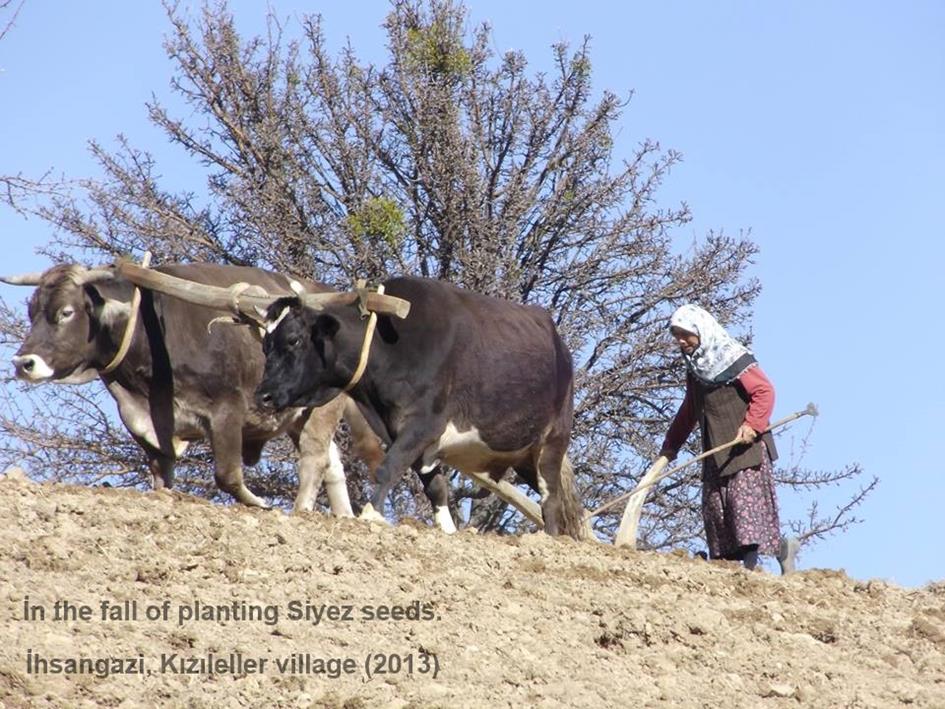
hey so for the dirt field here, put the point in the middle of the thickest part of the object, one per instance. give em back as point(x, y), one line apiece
point(256, 608)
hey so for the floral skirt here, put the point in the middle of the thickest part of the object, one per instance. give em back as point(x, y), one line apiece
point(740, 510)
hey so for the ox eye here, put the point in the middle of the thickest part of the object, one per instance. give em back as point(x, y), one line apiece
point(295, 342)
point(66, 314)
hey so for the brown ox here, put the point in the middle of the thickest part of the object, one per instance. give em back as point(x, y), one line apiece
point(182, 378)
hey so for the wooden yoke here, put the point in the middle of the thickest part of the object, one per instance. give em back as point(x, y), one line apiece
point(246, 302)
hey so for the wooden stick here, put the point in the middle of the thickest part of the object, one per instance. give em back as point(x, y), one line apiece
point(507, 492)
point(811, 410)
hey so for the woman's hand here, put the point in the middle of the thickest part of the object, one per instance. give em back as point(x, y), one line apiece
point(746, 434)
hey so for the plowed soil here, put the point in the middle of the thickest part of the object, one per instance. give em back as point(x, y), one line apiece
point(173, 601)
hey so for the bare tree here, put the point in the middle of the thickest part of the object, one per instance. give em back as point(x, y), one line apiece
point(9, 11)
point(11, 186)
point(448, 162)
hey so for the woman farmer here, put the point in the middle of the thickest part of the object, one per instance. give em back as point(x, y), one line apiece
point(731, 399)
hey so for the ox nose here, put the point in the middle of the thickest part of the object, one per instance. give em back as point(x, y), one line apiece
point(24, 364)
point(264, 399)
point(32, 368)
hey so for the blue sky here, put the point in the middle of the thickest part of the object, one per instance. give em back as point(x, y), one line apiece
point(819, 126)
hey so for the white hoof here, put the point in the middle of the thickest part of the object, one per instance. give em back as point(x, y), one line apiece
point(371, 515)
point(444, 520)
point(248, 498)
point(301, 507)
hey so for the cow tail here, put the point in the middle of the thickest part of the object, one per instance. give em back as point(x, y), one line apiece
point(572, 511)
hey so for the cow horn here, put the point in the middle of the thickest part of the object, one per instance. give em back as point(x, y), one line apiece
point(25, 279)
point(94, 275)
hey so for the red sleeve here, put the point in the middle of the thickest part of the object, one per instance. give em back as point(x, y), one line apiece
point(682, 425)
point(760, 398)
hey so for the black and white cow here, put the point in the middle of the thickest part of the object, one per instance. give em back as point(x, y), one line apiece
point(181, 380)
point(471, 381)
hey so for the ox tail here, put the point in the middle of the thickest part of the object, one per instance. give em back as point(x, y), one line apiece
point(572, 511)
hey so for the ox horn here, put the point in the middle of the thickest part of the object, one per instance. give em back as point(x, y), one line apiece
point(93, 275)
point(24, 279)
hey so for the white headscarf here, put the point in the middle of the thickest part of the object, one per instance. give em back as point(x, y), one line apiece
point(714, 360)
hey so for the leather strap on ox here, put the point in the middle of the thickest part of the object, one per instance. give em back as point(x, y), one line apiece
point(368, 332)
point(130, 326)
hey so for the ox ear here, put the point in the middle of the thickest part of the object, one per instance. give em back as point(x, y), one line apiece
point(94, 300)
point(113, 311)
point(325, 327)
point(103, 310)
